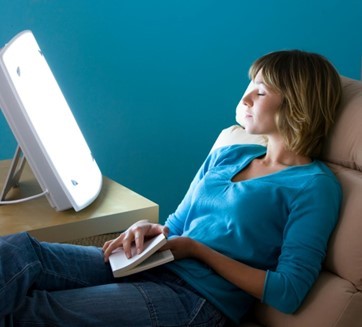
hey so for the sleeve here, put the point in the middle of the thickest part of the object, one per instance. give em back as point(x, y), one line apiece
point(175, 221)
point(313, 215)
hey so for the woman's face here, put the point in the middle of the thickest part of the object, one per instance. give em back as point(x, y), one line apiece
point(258, 107)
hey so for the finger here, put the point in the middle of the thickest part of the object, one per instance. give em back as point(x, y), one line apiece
point(165, 231)
point(106, 245)
point(111, 245)
point(139, 241)
point(127, 245)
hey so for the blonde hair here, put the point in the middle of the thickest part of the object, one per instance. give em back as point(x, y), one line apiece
point(311, 90)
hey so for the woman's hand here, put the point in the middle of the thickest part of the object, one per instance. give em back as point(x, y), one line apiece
point(134, 234)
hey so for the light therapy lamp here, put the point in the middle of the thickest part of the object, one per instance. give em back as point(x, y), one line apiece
point(47, 133)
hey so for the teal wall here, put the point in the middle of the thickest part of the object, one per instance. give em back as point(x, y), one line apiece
point(152, 83)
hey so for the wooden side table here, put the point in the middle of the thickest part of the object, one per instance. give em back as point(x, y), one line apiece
point(115, 209)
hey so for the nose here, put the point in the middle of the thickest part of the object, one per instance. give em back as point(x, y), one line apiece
point(246, 100)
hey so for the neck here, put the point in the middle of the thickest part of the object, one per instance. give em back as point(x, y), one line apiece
point(277, 155)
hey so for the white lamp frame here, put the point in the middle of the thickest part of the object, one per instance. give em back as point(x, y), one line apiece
point(45, 129)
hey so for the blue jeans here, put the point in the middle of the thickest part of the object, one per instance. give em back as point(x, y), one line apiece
point(46, 284)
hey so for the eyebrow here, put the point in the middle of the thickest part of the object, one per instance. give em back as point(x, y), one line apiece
point(259, 83)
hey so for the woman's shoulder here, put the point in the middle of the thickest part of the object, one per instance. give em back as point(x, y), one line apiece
point(317, 177)
point(321, 169)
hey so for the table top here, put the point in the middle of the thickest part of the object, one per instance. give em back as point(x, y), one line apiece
point(114, 199)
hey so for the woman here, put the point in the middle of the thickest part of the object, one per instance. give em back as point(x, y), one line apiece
point(254, 224)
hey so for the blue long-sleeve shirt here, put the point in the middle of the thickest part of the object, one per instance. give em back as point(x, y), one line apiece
point(280, 223)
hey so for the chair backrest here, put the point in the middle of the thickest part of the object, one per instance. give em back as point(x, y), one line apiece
point(343, 153)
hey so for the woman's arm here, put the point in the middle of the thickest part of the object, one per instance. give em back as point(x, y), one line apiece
point(312, 218)
point(247, 278)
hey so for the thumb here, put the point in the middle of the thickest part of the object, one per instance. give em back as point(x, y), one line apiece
point(165, 231)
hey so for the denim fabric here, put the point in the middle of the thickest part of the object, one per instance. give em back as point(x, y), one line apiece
point(45, 284)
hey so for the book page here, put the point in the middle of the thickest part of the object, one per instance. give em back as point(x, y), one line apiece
point(119, 261)
point(156, 259)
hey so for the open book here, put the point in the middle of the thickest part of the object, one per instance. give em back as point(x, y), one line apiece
point(148, 258)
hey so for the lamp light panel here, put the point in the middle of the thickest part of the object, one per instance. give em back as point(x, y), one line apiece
point(44, 126)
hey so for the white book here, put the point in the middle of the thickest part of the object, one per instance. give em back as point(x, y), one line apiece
point(148, 258)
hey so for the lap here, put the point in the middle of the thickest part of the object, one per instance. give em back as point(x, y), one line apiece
point(153, 298)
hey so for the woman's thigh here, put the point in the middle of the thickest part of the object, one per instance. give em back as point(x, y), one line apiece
point(67, 266)
point(26, 264)
point(144, 300)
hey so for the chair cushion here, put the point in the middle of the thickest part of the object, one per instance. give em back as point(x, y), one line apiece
point(236, 134)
